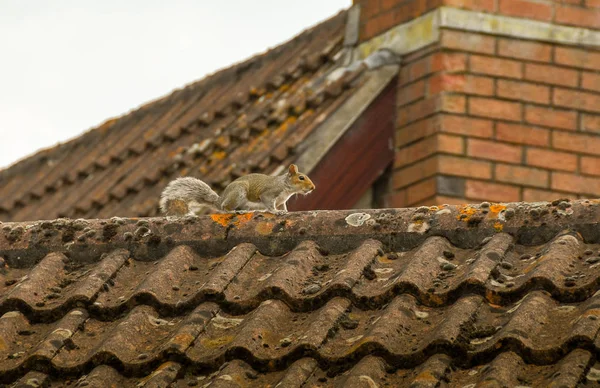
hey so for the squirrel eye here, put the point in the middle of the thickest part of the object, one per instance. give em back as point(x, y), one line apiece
point(301, 177)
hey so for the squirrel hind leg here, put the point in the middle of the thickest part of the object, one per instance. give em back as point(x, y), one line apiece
point(174, 207)
point(234, 200)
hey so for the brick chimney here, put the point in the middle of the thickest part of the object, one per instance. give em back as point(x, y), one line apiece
point(498, 100)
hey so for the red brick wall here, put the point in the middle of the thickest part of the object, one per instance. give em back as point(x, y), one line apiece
point(483, 117)
point(378, 16)
point(497, 119)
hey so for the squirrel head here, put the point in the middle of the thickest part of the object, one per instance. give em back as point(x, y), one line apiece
point(301, 182)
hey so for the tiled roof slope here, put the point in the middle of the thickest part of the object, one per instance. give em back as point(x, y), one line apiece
point(498, 295)
point(251, 117)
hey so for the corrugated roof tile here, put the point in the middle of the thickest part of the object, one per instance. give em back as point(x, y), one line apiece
point(315, 298)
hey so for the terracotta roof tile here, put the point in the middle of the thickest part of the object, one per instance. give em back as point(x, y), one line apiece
point(408, 297)
point(261, 106)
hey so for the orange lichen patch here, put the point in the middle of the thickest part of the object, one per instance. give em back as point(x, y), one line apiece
point(289, 121)
point(222, 219)
point(283, 88)
point(436, 299)
point(163, 366)
point(498, 227)
point(466, 212)
point(497, 208)
point(280, 132)
point(223, 141)
point(287, 224)
point(184, 340)
point(493, 297)
point(219, 155)
point(593, 312)
point(426, 377)
point(257, 92)
point(384, 260)
point(176, 152)
point(231, 219)
point(264, 228)
point(252, 144)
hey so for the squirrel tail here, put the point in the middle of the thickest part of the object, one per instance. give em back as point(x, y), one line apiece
point(176, 198)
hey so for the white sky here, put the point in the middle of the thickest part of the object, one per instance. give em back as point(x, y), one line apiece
point(68, 65)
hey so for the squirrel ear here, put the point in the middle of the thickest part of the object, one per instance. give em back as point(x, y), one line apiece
point(293, 169)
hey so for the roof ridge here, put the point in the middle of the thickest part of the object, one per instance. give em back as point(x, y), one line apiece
point(331, 229)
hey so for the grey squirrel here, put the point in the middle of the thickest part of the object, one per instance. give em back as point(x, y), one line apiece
point(249, 192)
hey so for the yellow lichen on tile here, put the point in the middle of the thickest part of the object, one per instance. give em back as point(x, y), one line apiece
point(219, 155)
point(264, 228)
point(217, 342)
point(285, 125)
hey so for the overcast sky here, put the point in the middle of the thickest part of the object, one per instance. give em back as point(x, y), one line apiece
point(68, 65)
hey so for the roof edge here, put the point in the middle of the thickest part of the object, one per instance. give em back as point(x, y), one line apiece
point(318, 144)
point(23, 244)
